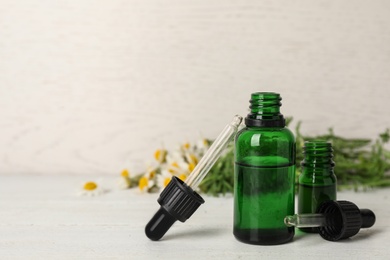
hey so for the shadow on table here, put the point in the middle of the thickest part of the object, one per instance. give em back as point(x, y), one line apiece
point(212, 232)
point(303, 235)
point(362, 235)
point(217, 232)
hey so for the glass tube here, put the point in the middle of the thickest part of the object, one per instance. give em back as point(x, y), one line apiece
point(213, 153)
point(305, 220)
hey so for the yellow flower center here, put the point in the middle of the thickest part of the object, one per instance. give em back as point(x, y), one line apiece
point(90, 186)
point(191, 166)
point(175, 164)
point(143, 183)
point(166, 181)
point(159, 155)
point(183, 177)
point(205, 142)
point(152, 174)
point(186, 146)
point(125, 173)
point(193, 159)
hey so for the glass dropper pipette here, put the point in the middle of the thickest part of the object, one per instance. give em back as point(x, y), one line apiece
point(213, 153)
point(305, 220)
point(179, 200)
point(334, 219)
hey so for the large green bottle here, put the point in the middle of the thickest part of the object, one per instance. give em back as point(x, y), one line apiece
point(317, 182)
point(264, 174)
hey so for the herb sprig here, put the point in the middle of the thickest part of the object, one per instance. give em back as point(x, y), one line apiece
point(361, 164)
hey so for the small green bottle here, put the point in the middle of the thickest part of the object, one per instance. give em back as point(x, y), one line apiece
point(264, 174)
point(317, 182)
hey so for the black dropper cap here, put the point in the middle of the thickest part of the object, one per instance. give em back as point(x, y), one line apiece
point(343, 219)
point(178, 202)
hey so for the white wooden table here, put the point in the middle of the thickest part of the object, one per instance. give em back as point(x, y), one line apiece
point(42, 217)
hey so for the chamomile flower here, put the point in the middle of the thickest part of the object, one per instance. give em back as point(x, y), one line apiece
point(125, 173)
point(163, 179)
point(145, 184)
point(178, 167)
point(186, 146)
point(160, 155)
point(175, 163)
point(147, 181)
point(192, 161)
point(124, 181)
point(91, 189)
point(185, 170)
point(183, 176)
point(151, 173)
point(202, 145)
point(180, 163)
point(191, 167)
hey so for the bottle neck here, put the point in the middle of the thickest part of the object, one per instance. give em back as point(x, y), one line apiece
point(265, 110)
point(318, 158)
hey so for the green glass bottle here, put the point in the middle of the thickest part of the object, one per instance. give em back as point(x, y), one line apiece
point(264, 174)
point(317, 182)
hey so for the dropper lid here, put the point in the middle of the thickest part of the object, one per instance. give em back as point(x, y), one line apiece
point(343, 219)
point(335, 219)
point(179, 200)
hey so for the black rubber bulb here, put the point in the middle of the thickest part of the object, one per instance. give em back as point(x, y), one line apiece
point(368, 218)
point(159, 224)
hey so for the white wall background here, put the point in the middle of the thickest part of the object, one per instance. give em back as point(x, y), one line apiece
point(89, 87)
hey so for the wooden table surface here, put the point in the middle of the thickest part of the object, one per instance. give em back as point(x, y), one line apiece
point(43, 217)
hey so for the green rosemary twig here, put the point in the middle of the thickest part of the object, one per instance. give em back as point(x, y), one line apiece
point(360, 163)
